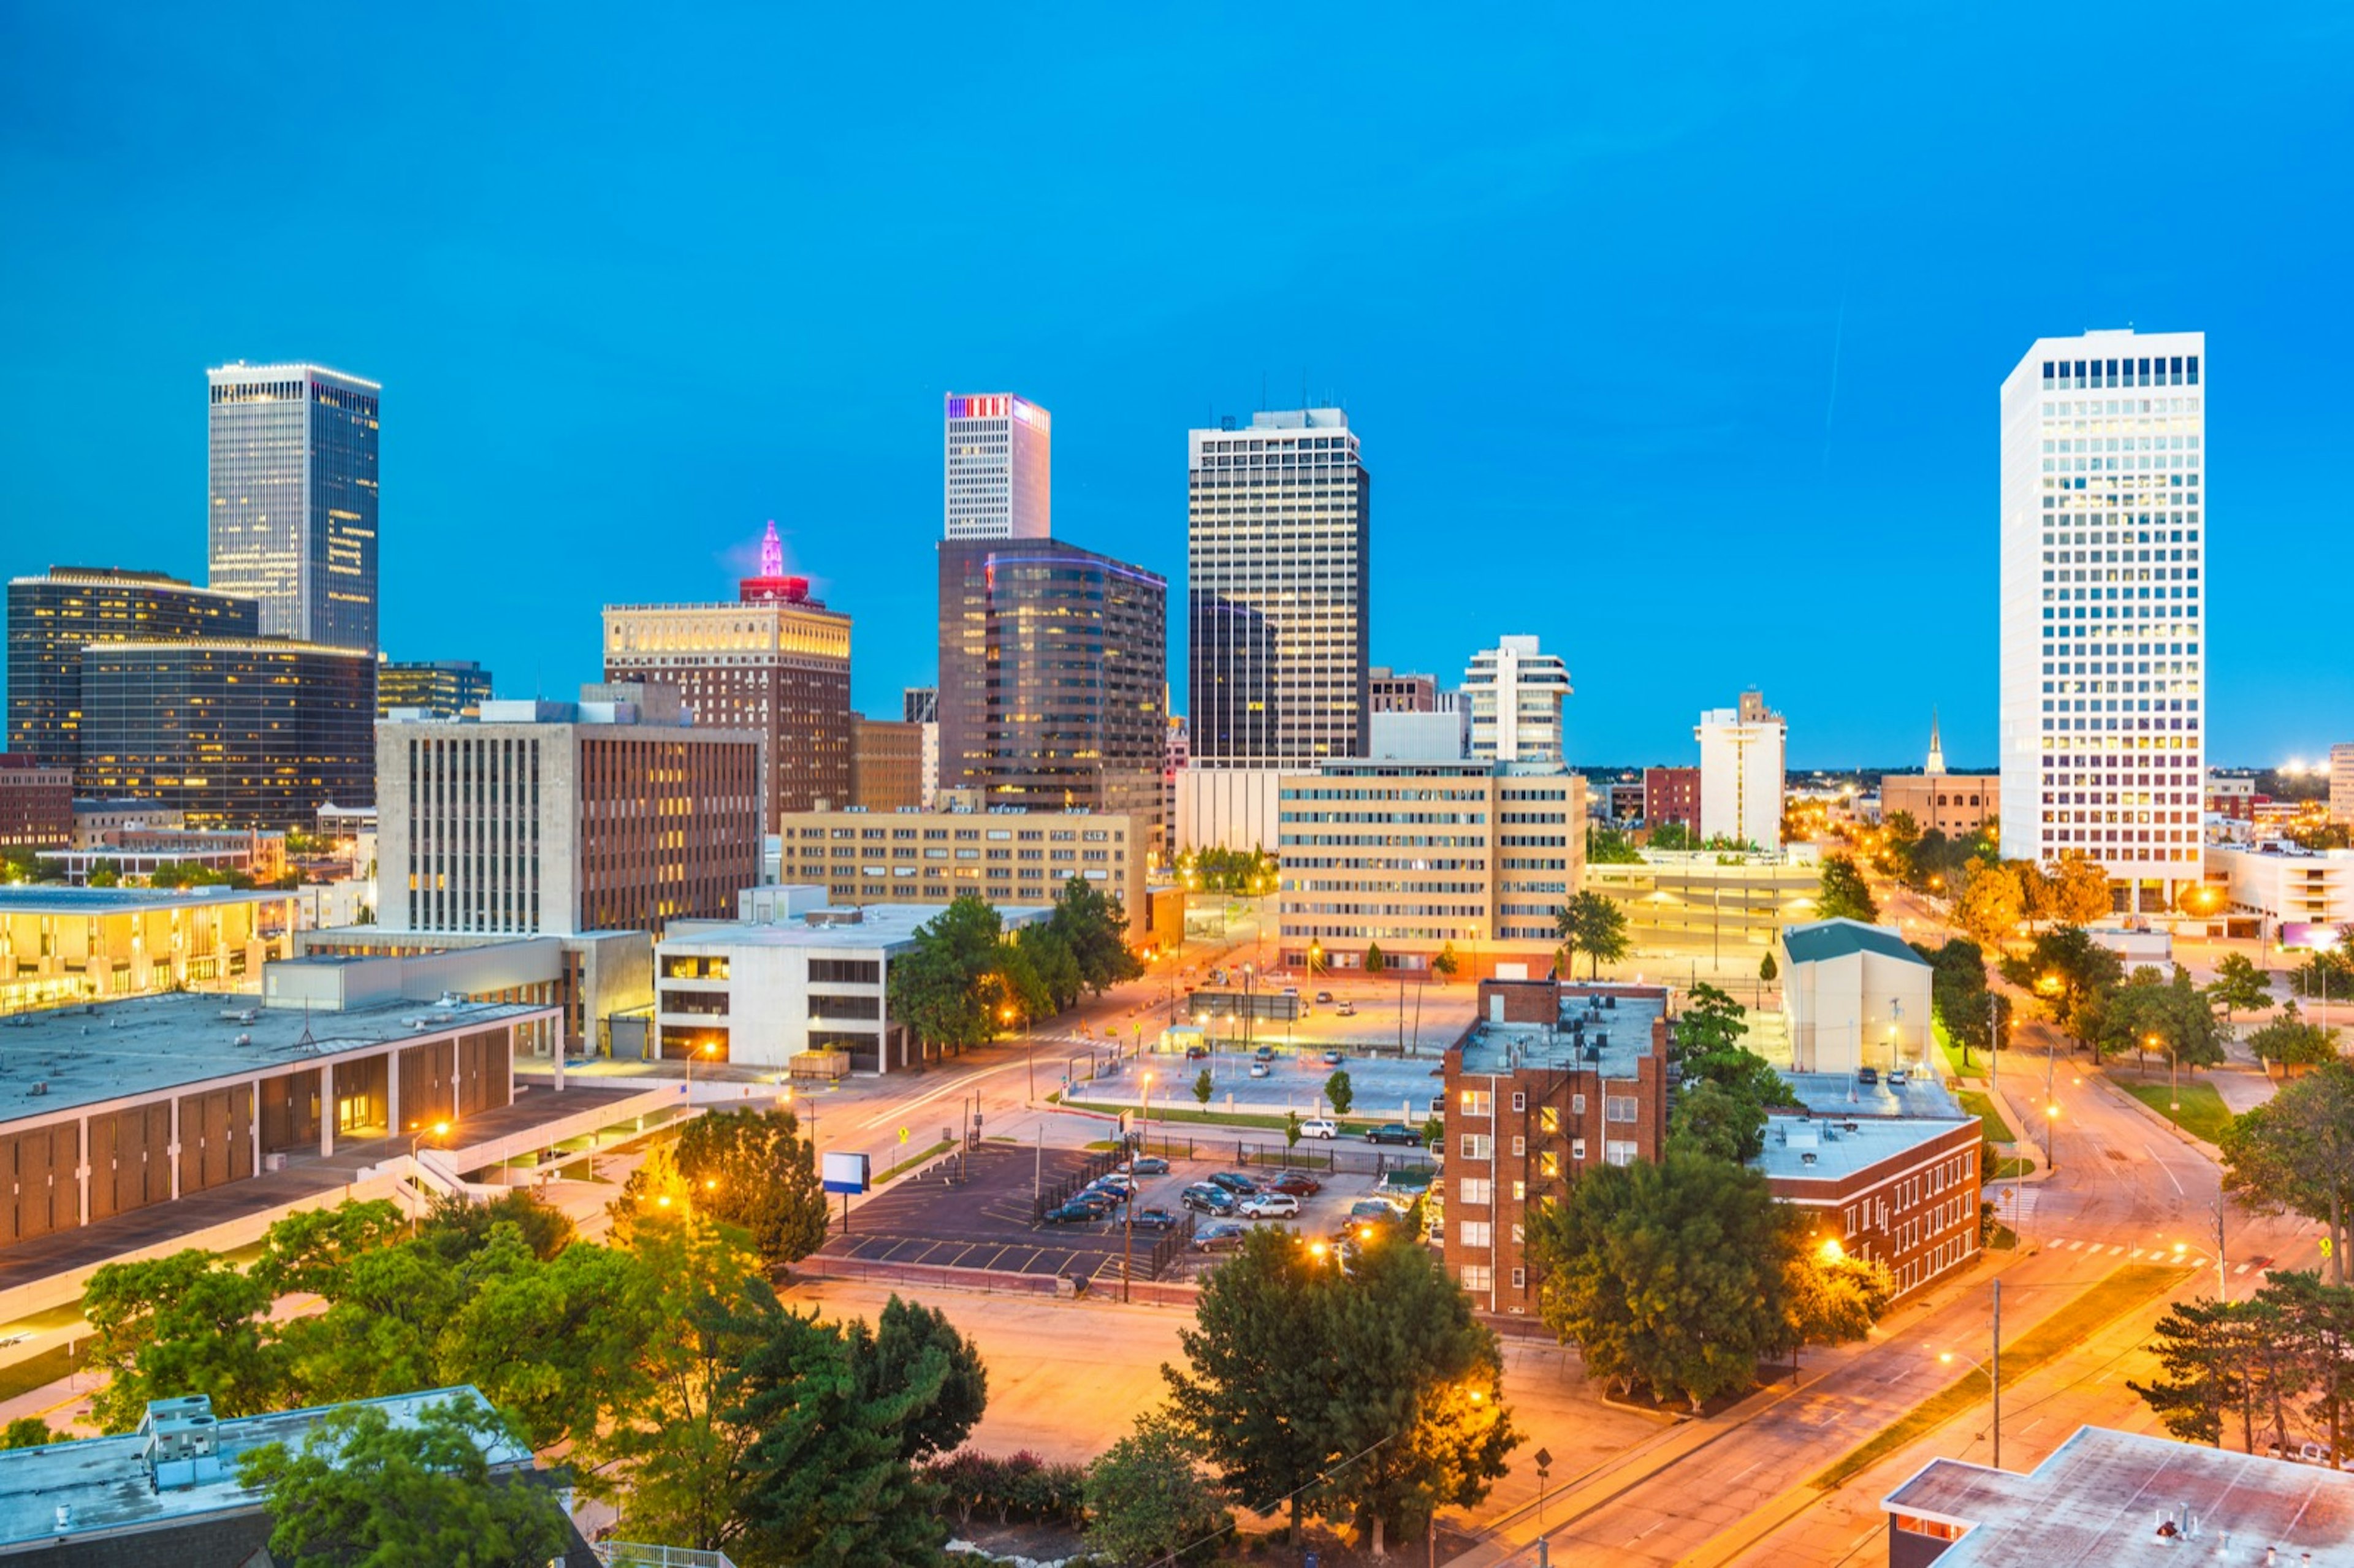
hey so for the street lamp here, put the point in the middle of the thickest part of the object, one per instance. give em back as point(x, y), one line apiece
point(709, 1048)
point(416, 1131)
point(2051, 1132)
point(1993, 1375)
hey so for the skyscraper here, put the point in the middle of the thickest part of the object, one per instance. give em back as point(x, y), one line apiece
point(445, 688)
point(775, 662)
point(1054, 670)
point(293, 499)
point(2103, 618)
point(1277, 563)
point(53, 618)
point(1516, 695)
point(998, 472)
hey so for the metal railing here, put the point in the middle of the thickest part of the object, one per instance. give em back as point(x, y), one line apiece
point(631, 1555)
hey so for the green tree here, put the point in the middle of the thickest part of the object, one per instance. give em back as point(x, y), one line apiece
point(1092, 923)
point(2297, 1152)
point(913, 1348)
point(1670, 1274)
point(1711, 1021)
point(188, 1323)
point(2077, 891)
point(754, 1170)
point(1592, 924)
point(1673, 836)
point(1767, 969)
point(1291, 1129)
point(1899, 837)
point(2239, 986)
point(2291, 1042)
point(309, 1252)
point(1203, 1086)
point(2071, 974)
point(1609, 846)
point(1148, 1500)
point(1056, 967)
point(1720, 1122)
point(1374, 961)
point(1340, 1091)
point(553, 1343)
point(413, 1495)
point(1446, 964)
point(457, 1227)
point(1958, 993)
point(1843, 895)
point(2199, 1376)
point(29, 1431)
point(1834, 1297)
point(937, 988)
point(2317, 1328)
point(1425, 1409)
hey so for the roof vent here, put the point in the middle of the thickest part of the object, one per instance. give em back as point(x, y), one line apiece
point(1807, 1158)
point(65, 1518)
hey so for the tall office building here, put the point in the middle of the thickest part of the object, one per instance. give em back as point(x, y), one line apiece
point(1742, 753)
point(1516, 695)
point(54, 617)
point(293, 499)
point(2104, 609)
point(1278, 560)
point(775, 662)
point(443, 688)
point(1053, 671)
point(998, 471)
point(231, 733)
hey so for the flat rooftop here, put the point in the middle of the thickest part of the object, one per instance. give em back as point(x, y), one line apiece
point(85, 902)
point(877, 926)
point(1826, 1148)
point(107, 1484)
point(2099, 1498)
point(1602, 1032)
point(1840, 1094)
point(108, 1050)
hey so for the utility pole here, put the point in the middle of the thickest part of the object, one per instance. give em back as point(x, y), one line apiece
point(1996, 1375)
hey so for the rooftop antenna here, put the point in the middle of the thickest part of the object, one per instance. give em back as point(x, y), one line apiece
point(306, 1042)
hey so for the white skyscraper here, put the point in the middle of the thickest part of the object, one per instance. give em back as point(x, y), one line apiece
point(998, 469)
point(2103, 607)
point(1516, 695)
point(1741, 768)
point(292, 508)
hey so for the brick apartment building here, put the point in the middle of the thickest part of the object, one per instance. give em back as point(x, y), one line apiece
point(1551, 1080)
point(1892, 1176)
point(35, 802)
point(1671, 795)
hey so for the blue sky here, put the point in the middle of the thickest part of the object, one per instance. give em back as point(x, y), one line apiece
point(1674, 340)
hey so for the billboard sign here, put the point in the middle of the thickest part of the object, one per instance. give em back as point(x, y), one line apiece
point(844, 1173)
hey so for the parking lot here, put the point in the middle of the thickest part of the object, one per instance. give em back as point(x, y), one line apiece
point(1384, 1088)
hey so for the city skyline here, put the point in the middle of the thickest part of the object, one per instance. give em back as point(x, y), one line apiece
point(1826, 405)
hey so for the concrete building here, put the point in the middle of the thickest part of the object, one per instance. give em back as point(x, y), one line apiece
point(1492, 852)
point(1722, 911)
point(1516, 695)
point(1623, 803)
point(1007, 856)
point(600, 983)
point(2104, 609)
point(231, 733)
point(441, 688)
point(998, 478)
point(1053, 673)
point(776, 662)
point(293, 499)
point(886, 764)
point(1741, 773)
point(1888, 1174)
point(1957, 805)
point(95, 821)
point(1277, 563)
point(2341, 784)
point(1389, 691)
point(792, 975)
point(2232, 794)
point(1227, 808)
point(2104, 1497)
point(159, 1098)
point(37, 807)
point(61, 944)
point(1403, 735)
point(612, 814)
point(169, 1494)
point(1853, 996)
point(53, 618)
point(1671, 795)
point(1552, 1081)
point(2286, 890)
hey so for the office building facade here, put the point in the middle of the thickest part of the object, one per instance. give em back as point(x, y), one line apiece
point(2103, 618)
point(1516, 693)
point(293, 499)
point(35, 802)
point(1278, 556)
point(997, 478)
point(54, 617)
point(230, 733)
point(1671, 795)
point(777, 663)
point(610, 814)
point(919, 704)
point(443, 688)
point(887, 765)
point(1741, 772)
point(1389, 691)
point(1054, 668)
point(2341, 784)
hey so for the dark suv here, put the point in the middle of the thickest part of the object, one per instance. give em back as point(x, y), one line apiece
point(1204, 1198)
point(1233, 1181)
point(1393, 1132)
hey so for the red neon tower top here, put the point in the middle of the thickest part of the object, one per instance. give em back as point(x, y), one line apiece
point(773, 584)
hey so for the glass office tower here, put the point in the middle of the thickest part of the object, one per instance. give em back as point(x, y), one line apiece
point(54, 617)
point(293, 499)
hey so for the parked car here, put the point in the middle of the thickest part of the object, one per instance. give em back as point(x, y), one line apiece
point(1867, 1074)
point(1155, 1219)
point(1323, 998)
point(1298, 1183)
point(1204, 1198)
point(1111, 1196)
point(1346, 1009)
point(1197, 1052)
point(1221, 1236)
point(1233, 1181)
point(1264, 1054)
point(1320, 1127)
point(1148, 1165)
point(1332, 1058)
point(1393, 1132)
point(1897, 1078)
point(1076, 1213)
point(1270, 1206)
point(1261, 1069)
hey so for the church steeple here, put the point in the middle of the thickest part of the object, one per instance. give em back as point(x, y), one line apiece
point(1936, 750)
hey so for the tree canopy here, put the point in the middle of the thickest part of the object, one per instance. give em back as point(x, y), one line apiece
point(749, 1169)
point(2296, 1152)
point(1593, 924)
point(1843, 895)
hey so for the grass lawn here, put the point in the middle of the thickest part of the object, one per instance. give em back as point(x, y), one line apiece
point(2124, 1289)
point(913, 1160)
point(2204, 1114)
point(1952, 1053)
point(1983, 1107)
